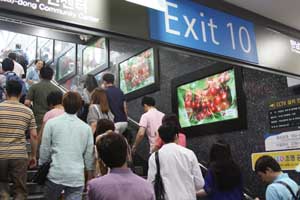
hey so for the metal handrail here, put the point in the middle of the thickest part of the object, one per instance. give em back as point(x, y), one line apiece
point(133, 121)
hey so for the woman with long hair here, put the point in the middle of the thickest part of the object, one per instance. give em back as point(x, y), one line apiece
point(90, 84)
point(99, 108)
point(224, 179)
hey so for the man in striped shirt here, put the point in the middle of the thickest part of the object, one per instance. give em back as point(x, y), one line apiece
point(15, 119)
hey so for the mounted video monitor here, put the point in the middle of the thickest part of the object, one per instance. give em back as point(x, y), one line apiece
point(210, 100)
point(138, 75)
point(95, 56)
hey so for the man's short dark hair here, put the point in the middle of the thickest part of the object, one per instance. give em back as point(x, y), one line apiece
point(149, 101)
point(12, 56)
point(265, 162)
point(72, 102)
point(13, 88)
point(46, 73)
point(54, 98)
point(7, 65)
point(167, 132)
point(112, 150)
point(109, 78)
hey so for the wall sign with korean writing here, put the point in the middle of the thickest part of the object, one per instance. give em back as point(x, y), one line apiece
point(288, 160)
point(77, 10)
point(284, 115)
point(282, 141)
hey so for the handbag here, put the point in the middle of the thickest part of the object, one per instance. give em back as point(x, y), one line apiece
point(158, 183)
point(40, 176)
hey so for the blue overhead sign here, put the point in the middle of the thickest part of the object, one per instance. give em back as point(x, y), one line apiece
point(191, 25)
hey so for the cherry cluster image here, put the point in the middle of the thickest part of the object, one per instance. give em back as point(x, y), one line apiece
point(138, 70)
point(209, 101)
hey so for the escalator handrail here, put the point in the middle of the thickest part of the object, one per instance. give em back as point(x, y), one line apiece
point(248, 197)
point(133, 121)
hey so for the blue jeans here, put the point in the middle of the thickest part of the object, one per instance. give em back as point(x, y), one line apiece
point(53, 191)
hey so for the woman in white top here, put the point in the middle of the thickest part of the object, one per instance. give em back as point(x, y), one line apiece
point(99, 108)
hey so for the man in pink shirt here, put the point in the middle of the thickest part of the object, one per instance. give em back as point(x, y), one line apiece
point(149, 123)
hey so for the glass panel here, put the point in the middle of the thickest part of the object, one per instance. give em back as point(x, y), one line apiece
point(21, 44)
point(66, 63)
point(45, 49)
point(94, 56)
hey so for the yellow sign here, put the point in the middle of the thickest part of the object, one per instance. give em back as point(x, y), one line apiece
point(288, 160)
point(285, 103)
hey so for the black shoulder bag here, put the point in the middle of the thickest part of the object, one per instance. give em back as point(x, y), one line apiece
point(158, 183)
point(40, 176)
point(295, 196)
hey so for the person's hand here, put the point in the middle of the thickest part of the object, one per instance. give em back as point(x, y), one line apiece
point(256, 198)
point(133, 150)
point(32, 162)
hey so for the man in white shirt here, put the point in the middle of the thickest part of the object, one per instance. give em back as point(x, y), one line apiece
point(18, 69)
point(179, 169)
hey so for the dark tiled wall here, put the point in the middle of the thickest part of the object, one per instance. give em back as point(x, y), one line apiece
point(260, 88)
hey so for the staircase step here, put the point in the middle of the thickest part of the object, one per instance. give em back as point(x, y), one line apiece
point(33, 188)
point(36, 197)
point(30, 174)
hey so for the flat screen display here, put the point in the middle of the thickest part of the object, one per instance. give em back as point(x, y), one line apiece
point(137, 72)
point(208, 100)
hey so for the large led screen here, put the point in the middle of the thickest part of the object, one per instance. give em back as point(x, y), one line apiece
point(208, 100)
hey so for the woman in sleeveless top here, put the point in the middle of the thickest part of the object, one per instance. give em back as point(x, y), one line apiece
point(99, 108)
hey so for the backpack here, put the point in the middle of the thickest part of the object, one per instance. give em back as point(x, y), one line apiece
point(13, 76)
point(295, 196)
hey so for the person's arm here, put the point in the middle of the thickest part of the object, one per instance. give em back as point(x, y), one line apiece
point(29, 97)
point(29, 77)
point(92, 117)
point(196, 171)
point(89, 155)
point(33, 142)
point(152, 169)
point(45, 147)
point(201, 193)
point(139, 137)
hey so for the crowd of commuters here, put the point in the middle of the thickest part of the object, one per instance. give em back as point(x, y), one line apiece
point(93, 154)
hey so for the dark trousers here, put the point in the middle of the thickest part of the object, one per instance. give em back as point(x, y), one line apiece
point(16, 171)
point(53, 191)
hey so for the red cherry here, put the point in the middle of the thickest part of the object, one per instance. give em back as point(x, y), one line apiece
point(204, 104)
point(193, 104)
point(225, 105)
point(218, 108)
point(213, 109)
point(213, 91)
point(188, 104)
point(217, 100)
point(224, 95)
point(198, 105)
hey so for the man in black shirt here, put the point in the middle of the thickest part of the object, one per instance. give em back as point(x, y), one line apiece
point(116, 102)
